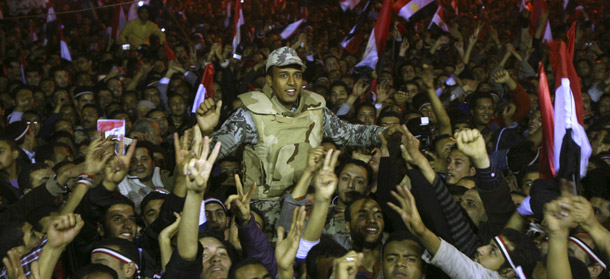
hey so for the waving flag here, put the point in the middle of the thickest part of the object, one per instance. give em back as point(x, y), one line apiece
point(353, 39)
point(228, 16)
point(206, 87)
point(438, 21)
point(378, 37)
point(409, 8)
point(63, 46)
point(291, 28)
point(239, 21)
point(454, 5)
point(348, 4)
point(547, 156)
point(118, 21)
point(24, 64)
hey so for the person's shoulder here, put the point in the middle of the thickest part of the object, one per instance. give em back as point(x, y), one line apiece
point(257, 102)
point(313, 99)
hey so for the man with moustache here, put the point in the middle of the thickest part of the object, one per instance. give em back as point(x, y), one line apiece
point(355, 177)
point(365, 224)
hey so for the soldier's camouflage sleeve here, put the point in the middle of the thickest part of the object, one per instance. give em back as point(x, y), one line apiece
point(238, 129)
point(350, 134)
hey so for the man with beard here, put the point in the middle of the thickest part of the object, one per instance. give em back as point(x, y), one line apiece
point(364, 222)
point(217, 220)
point(354, 180)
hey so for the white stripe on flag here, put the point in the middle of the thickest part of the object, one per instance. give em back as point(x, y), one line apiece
point(237, 37)
point(548, 36)
point(369, 58)
point(291, 28)
point(199, 98)
point(565, 118)
point(65, 51)
point(408, 10)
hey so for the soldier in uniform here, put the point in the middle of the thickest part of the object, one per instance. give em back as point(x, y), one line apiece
point(279, 125)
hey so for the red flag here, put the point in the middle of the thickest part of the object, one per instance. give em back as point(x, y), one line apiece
point(238, 20)
point(547, 159)
point(438, 20)
point(206, 87)
point(169, 53)
point(378, 37)
point(118, 21)
point(353, 39)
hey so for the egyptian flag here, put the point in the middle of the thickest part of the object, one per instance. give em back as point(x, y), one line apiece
point(413, 10)
point(206, 87)
point(352, 41)
point(118, 21)
point(63, 46)
point(572, 148)
point(348, 4)
point(24, 64)
point(291, 29)
point(238, 21)
point(33, 35)
point(546, 167)
point(378, 37)
point(539, 8)
point(228, 16)
point(438, 25)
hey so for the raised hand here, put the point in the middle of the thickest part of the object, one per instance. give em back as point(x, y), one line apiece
point(346, 267)
point(360, 88)
point(240, 203)
point(583, 213)
point(508, 113)
point(170, 231)
point(502, 76)
point(407, 209)
point(472, 144)
point(558, 218)
point(383, 91)
point(64, 229)
point(199, 168)
point(314, 160)
point(98, 154)
point(325, 182)
point(208, 115)
point(116, 169)
point(410, 148)
point(286, 248)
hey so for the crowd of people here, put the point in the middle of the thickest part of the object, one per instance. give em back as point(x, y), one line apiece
point(299, 164)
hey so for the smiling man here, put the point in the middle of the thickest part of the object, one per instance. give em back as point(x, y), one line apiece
point(279, 125)
point(364, 222)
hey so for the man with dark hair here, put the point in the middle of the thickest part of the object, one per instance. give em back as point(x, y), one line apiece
point(32, 176)
point(119, 254)
point(97, 271)
point(355, 177)
point(33, 75)
point(138, 31)
point(305, 121)
point(61, 76)
point(151, 206)
point(319, 261)
point(249, 268)
point(24, 100)
point(388, 118)
point(401, 257)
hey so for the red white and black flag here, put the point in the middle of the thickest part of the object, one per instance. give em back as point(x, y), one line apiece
point(352, 41)
point(413, 10)
point(238, 21)
point(571, 148)
point(206, 87)
point(378, 37)
point(438, 25)
point(118, 21)
point(291, 29)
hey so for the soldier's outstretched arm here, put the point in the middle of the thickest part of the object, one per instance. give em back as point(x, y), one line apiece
point(350, 134)
point(238, 129)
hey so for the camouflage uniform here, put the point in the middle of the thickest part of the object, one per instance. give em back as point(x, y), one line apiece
point(278, 139)
point(335, 227)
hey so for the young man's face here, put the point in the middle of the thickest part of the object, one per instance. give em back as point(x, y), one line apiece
point(338, 95)
point(89, 118)
point(483, 111)
point(490, 256)
point(7, 155)
point(472, 203)
point(176, 105)
point(252, 271)
point(366, 226)
point(150, 212)
point(142, 165)
point(366, 115)
point(120, 222)
point(286, 83)
point(86, 99)
point(83, 64)
point(528, 181)
point(388, 121)
point(402, 259)
point(457, 166)
point(32, 78)
point(153, 95)
point(216, 216)
point(353, 180)
point(216, 260)
point(61, 78)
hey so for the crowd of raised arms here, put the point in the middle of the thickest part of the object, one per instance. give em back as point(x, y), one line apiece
point(300, 163)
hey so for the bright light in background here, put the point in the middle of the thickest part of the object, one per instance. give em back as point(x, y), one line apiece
point(242, 1)
point(162, 29)
point(140, 3)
